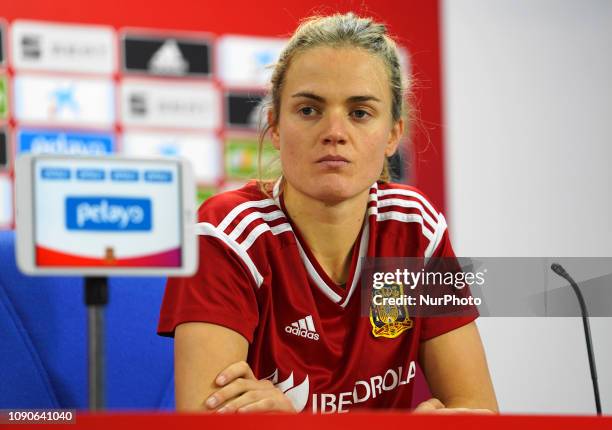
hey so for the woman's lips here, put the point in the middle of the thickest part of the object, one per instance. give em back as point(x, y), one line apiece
point(333, 161)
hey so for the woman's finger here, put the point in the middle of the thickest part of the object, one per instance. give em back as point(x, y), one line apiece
point(240, 369)
point(430, 405)
point(248, 398)
point(267, 405)
point(233, 390)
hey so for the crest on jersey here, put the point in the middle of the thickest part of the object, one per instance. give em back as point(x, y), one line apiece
point(389, 320)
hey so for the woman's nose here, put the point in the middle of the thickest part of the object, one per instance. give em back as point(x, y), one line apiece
point(334, 131)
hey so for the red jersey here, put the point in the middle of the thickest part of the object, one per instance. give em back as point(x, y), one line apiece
point(258, 277)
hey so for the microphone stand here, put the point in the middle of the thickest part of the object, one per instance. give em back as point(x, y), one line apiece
point(96, 298)
point(559, 270)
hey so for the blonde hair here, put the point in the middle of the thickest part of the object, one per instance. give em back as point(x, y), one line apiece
point(339, 30)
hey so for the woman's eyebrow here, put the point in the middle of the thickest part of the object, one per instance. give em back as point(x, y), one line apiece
point(308, 95)
point(352, 99)
point(361, 99)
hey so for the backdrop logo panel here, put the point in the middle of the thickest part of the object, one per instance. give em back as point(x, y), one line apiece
point(3, 98)
point(4, 150)
point(64, 101)
point(108, 214)
point(66, 48)
point(60, 142)
point(166, 56)
point(6, 201)
point(244, 109)
point(203, 150)
point(244, 61)
point(157, 104)
point(2, 39)
point(241, 156)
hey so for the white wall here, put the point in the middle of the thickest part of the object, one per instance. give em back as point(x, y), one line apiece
point(528, 114)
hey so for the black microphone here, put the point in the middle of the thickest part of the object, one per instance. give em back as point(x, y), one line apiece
point(559, 270)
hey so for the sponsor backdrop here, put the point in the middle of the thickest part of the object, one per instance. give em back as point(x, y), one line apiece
point(183, 81)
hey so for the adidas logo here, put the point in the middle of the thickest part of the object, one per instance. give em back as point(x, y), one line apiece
point(303, 327)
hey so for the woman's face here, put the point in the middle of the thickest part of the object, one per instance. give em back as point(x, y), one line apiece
point(335, 126)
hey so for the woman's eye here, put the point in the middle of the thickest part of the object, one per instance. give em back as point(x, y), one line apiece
point(360, 114)
point(307, 111)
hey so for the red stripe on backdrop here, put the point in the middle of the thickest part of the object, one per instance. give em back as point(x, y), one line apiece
point(46, 257)
point(415, 23)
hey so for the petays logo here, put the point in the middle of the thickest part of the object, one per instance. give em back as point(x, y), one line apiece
point(108, 214)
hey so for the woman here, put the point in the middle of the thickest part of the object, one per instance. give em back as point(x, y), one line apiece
point(271, 321)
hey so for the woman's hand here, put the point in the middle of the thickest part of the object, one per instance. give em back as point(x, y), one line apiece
point(435, 406)
point(456, 370)
point(241, 392)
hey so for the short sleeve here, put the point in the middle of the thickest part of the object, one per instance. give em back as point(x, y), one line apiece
point(433, 326)
point(222, 292)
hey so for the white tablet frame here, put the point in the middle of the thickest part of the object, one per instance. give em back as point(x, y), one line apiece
point(24, 220)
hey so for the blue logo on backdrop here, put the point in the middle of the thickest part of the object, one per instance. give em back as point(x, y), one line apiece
point(90, 174)
point(108, 214)
point(264, 58)
point(54, 142)
point(63, 98)
point(125, 175)
point(169, 149)
point(158, 176)
point(55, 173)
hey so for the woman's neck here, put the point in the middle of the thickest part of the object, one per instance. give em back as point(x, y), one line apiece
point(330, 230)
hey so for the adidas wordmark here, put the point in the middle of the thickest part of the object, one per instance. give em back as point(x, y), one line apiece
point(304, 327)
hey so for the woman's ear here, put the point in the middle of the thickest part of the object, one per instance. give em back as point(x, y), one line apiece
point(394, 137)
point(273, 129)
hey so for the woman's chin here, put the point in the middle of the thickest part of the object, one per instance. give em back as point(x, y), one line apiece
point(330, 189)
point(334, 190)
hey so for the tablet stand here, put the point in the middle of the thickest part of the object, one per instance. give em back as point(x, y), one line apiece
point(96, 298)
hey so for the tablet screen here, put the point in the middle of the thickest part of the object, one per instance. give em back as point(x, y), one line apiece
point(107, 213)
